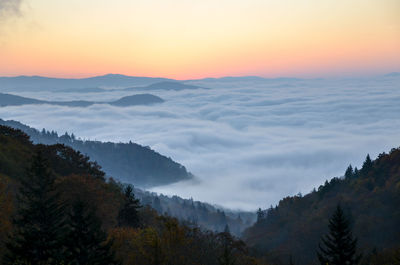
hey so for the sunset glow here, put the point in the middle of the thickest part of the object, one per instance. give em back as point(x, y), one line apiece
point(193, 39)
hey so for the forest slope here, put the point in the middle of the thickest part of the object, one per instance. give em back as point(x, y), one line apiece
point(133, 234)
point(127, 162)
point(370, 196)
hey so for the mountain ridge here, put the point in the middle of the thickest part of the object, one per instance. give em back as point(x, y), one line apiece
point(370, 197)
point(133, 100)
point(127, 162)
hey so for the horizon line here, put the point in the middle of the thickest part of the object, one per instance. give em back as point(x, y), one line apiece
point(207, 77)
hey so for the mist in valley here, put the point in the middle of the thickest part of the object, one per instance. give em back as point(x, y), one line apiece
point(248, 141)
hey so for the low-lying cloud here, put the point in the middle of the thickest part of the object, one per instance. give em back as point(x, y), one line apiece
point(249, 144)
point(9, 8)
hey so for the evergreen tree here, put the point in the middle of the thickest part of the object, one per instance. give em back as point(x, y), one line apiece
point(367, 165)
point(260, 215)
point(39, 223)
point(227, 245)
point(356, 172)
point(86, 242)
point(129, 215)
point(227, 229)
point(229, 248)
point(349, 172)
point(339, 245)
point(157, 205)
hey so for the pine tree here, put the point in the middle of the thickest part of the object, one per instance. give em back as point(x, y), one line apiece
point(227, 229)
point(339, 245)
point(356, 172)
point(229, 248)
point(260, 215)
point(157, 205)
point(86, 242)
point(129, 215)
point(367, 165)
point(39, 223)
point(227, 245)
point(349, 172)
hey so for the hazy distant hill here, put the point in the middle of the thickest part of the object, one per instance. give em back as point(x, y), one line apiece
point(394, 74)
point(167, 85)
point(54, 84)
point(98, 83)
point(245, 79)
point(199, 213)
point(139, 99)
point(127, 162)
point(13, 100)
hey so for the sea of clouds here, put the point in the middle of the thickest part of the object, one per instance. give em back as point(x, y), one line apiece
point(249, 143)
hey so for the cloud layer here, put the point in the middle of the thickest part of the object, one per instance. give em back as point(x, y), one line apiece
point(10, 8)
point(248, 143)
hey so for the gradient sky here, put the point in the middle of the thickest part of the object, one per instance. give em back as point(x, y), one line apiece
point(199, 38)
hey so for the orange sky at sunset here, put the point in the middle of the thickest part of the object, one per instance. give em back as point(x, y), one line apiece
point(194, 39)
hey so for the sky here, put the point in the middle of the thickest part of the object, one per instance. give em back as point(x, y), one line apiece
point(249, 143)
point(186, 39)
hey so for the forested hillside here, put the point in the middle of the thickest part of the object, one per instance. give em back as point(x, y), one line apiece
point(127, 162)
point(201, 214)
point(198, 213)
point(56, 207)
point(370, 197)
point(56, 202)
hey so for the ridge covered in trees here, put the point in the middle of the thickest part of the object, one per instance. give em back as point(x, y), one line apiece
point(129, 162)
point(198, 213)
point(57, 196)
point(370, 196)
point(86, 218)
point(338, 246)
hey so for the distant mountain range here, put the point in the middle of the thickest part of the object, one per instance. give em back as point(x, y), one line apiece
point(48, 83)
point(117, 81)
point(114, 81)
point(247, 79)
point(166, 85)
point(89, 85)
point(139, 99)
point(393, 74)
point(127, 162)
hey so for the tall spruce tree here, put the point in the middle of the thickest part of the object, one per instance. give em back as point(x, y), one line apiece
point(349, 172)
point(86, 243)
point(367, 165)
point(340, 246)
point(129, 215)
point(39, 222)
point(260, 215)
